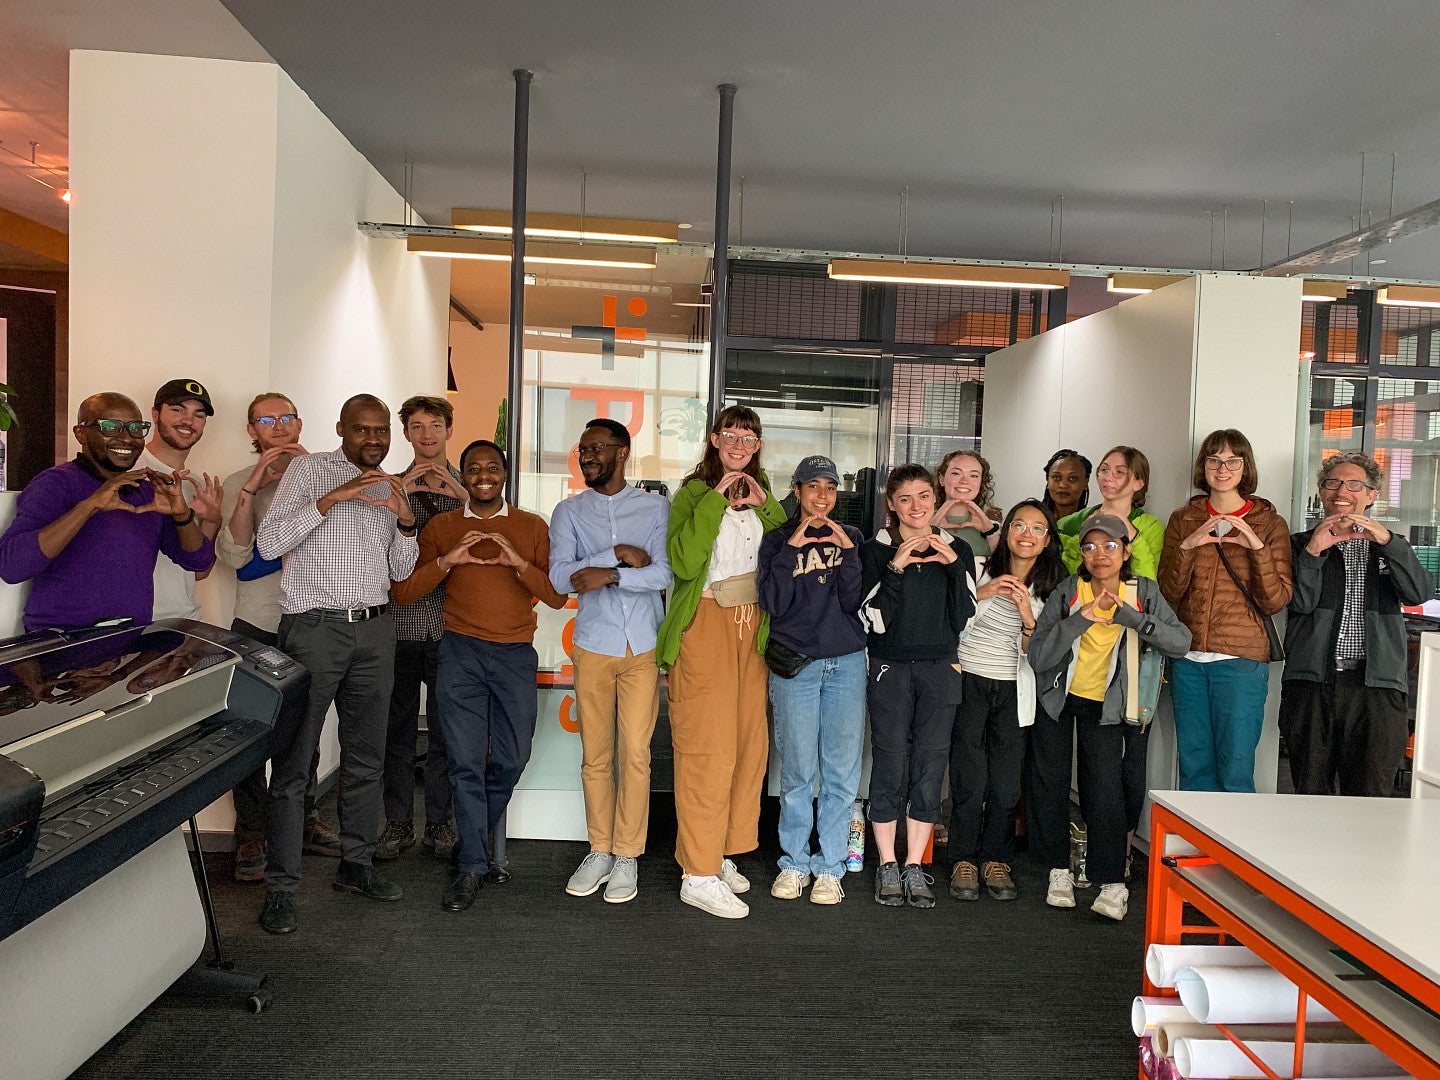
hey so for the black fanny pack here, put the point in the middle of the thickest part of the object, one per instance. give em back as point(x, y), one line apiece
point(785, 661)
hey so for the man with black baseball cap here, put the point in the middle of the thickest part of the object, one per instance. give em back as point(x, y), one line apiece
point(181, 408)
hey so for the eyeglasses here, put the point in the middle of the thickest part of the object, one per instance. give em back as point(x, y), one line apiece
point(1039, 528)
point(111, 428)
point(270, 421)
point(748, 442)
point(1118, 471)
point(1333, 484)
point(1229, 464)
point(1109, 547)
point(589, 450)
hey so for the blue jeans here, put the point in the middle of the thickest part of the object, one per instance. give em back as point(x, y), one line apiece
point(488, 708)
point(1219, 710)
point(820, 734)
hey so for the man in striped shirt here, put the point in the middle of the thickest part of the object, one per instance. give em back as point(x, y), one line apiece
point(345, 530)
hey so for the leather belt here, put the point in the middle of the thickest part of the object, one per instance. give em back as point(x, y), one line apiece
point(349, 614)
point(1350, 664)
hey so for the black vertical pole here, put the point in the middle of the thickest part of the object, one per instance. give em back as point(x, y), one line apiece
point(720, 299)
point(517, 281)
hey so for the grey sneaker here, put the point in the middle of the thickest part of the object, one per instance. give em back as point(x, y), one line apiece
point(398, 837)
point(887, 885)
point(594, 871)
point(916, 884)
point(732, 877)
point(622, 885)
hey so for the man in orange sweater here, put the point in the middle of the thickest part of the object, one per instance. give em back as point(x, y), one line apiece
point(495, 561)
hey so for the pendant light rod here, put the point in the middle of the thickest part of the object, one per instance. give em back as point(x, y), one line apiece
point(720, 299)
point(519, 175)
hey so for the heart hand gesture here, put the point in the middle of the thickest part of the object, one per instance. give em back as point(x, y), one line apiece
point(395, 500)
point(169, 494)
point(110, 497)
point(271, 465)
point(208, 498)
point(508, 555)
point(1101, 609)
point(960, 513)
point(461, 555)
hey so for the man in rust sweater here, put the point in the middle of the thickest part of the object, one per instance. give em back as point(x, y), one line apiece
point(495, 561)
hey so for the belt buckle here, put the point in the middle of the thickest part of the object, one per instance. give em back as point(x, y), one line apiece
point(354, 615)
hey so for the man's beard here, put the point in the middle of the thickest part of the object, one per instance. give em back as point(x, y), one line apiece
point(603, 477)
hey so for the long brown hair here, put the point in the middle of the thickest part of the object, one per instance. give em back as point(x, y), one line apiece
point(710, 469)
point(1139, 466)
point(899, 477)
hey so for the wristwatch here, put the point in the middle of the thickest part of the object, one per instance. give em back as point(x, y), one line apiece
point(615, 576)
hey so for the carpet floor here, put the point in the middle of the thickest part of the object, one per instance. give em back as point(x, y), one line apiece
point(532, 982)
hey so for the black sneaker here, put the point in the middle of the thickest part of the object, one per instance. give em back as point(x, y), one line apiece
point(398, 837)
point(916, 884)
point(278, 914)
point(366, 881)
point(887, 885)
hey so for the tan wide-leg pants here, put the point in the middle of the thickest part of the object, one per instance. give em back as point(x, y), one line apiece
point(717, 719)
point(618, 698)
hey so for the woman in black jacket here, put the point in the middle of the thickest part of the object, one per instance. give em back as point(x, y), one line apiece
point(919, 595)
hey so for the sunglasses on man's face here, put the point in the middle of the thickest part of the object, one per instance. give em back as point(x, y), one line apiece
point(110, 428)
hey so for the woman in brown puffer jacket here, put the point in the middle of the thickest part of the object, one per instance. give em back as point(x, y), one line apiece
point(1219, 687)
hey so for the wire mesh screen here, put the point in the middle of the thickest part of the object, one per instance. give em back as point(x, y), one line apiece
point(1408, 336)
point(975, 318)
point(789, 304)
point(1330, 332)
point(935, 408)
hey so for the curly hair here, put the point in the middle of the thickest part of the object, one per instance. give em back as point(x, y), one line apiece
point(1351, 457)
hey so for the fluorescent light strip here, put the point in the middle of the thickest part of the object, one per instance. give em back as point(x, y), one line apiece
point(568, 226)
point(954, 274)
point(1323, 292)
point(1408, 296)
point(1136, 284)
point(537, 255)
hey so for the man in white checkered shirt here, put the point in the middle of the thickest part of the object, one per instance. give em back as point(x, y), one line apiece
point(345, 530)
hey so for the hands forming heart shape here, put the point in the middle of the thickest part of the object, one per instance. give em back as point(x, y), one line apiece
point(461, 554)
point(923, 549)
point(1102, 609)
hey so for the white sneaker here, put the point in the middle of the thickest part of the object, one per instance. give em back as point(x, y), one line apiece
point(827, 890)
point(789, 885)
point(1061, 892)
point(1113, 902)
point(732, 877)
point(715, 897)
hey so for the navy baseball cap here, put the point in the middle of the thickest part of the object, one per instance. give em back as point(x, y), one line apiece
point(815, 467)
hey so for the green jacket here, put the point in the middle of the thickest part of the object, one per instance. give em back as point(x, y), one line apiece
point(695, 519)
point(1144, 551)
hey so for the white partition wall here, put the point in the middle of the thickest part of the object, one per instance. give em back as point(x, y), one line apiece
point(1159, 371)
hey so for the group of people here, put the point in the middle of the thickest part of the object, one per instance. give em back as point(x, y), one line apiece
point(981, 645)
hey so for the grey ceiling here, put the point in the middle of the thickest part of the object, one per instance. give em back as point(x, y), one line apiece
point(1148, 117)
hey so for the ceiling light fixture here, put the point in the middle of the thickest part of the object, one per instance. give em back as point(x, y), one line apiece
point(1408, 296)
point(1136, 284)
point(1322, 292)
point(939, 273)
point(618, 258)
point(568, 226)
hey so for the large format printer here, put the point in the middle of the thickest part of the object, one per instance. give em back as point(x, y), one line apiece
point(110, 739)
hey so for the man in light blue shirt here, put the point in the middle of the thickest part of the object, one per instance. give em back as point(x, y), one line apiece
point(608, 546)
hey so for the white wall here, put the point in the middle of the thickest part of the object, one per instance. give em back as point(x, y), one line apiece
point(213, 237)
point(1159, 371)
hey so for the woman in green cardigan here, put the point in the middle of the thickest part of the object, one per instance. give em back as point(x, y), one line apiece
point(1123, 477)
point(712, 641)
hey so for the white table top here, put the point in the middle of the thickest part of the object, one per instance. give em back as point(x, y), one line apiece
point(1372, 864)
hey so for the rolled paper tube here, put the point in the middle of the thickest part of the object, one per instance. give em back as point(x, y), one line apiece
point(1229, 995)
point(1167, 1034)
point(1163, 961)
point(1211, 1057)
point(1146, 1012)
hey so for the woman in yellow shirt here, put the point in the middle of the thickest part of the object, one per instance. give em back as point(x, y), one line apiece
point(1077, 651)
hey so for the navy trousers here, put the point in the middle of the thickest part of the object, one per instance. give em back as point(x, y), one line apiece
point(488, 707)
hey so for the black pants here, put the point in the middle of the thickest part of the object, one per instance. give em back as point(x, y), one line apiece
point(1110, 768)
point(1345, 731)
point(987, 757)
point(912, 715)
point(252, 795)
point(415, 666)
point(352, 666)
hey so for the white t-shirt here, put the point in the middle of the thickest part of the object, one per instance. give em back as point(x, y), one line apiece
point(174, 586)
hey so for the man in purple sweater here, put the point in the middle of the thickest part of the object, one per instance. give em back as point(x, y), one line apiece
point(87, 533)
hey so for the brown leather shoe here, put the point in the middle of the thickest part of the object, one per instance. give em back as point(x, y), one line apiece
point(322, 838)
point(250, 860)
point(965, 881)
point(998, 882)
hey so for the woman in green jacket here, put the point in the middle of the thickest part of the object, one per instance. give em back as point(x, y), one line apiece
point(1123, 477)
point(712, 641)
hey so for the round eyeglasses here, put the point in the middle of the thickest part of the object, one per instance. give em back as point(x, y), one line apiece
point(748, 442)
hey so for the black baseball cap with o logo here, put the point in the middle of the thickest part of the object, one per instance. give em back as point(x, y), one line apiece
point(179, 390)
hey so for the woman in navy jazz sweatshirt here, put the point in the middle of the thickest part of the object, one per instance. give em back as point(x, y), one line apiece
point(810, 583)
point(919, 587)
